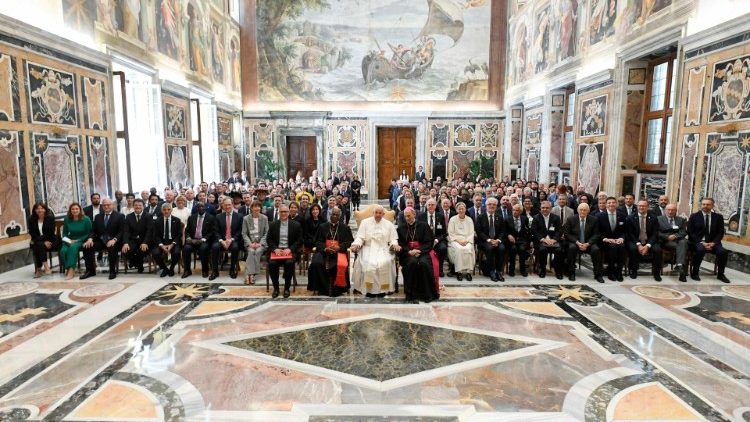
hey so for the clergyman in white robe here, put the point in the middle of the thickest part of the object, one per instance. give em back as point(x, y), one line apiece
point(374, 272)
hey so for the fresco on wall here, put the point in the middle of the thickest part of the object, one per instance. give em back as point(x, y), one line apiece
point(520, 54)
point(542, 51)
point(174, 118)
point(730, 92)
point(566, 28)
point(178, 172)
point(602, 20)
point(590, 166)
point(380, 51)
point(169, 28)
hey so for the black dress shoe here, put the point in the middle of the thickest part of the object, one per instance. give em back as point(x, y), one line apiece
point(204, 274)
point(611, 277)
point(512, 273)
point(164, 273)
point(722, 278)
point(275, 293)
point(87, 274)
point(500, 277)
point(232, 274)
point(286, 293)
point(542, 274)
point(459, 277)
point(599, 278)
point(187, 274)
point(442, 273)
point(559, 276)
point(572, 277)
point(633, 275)
point(468, 277)
point(140, 269)
point(619, 277)
point(683, 277)
point(493, 278)
point(695, 277)
point(657, 277)
point(112, 276)
point(171, 272)
point(213, 276)
point(524, 273)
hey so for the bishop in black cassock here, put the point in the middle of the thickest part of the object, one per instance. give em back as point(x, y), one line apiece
point(332, 242)
point(416, 239)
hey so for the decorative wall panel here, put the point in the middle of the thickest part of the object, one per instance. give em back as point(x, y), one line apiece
point(226, 148)
point(60, 170)
point(695, 89)
point(259, 143)
point(52, 95)
point(9, 93)
point(730, 90)
point(454, 144)
point(13, 201)
point(177, 139)
point(687, 173)
point(593, 117)
point(98, 165)
point(651, 187)
point(95, 109)
point(590, 166)
point(556, 133)
point(346, 141)
point(726, 178)
point(633, 123)
point(178, 170)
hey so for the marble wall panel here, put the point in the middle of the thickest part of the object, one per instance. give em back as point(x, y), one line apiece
point(346, 143)
point(94, 103)
point(52, 95)
point(687, 173)
point(450, 142)
point(439, 135)
point(730, 97)
point(461, 162)
point(259, 136)
point(695, 89)
point(490, 135)
point(633, 123)
point(532, 164)
point(515, 142)
point(59, 170)
point(225, 163)
point(12, 209)
point(465, 136)
point(593, 116)
point(346, 161)
point(590, 166)
point(224, 126)
point(726, 178)
point(178, 170)
point(533, 128)
point(175, 121)
point(556, 134)
point(10, 109)
point(651, 186)
point(99, 165)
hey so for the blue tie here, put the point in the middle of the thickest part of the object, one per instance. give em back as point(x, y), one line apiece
point(583, 230)
point(106, 220)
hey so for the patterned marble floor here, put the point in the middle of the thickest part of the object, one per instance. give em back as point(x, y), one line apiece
point(145, 348)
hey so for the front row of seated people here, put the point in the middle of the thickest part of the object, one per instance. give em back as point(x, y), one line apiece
point(421, 243)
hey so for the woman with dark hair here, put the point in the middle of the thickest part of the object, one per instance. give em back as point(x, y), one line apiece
point(254, 230)
point(311, 225)
point(294, 213)
point(41, 224)
point(76, 230)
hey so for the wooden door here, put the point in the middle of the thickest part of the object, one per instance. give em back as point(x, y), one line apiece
point(300, 155)
point(396, 151)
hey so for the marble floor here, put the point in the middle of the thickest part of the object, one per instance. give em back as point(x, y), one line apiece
point(143, 348)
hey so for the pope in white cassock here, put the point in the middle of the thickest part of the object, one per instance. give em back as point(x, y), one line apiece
point(374, 272)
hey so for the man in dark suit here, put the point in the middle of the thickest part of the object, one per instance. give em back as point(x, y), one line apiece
point(673, 236)
point(629, 208)
point(106, 234)
point(517, 240)
point(546, 231)
point(91, 211)
point(244, 209)
point(705, 232)
point(202, 198)
point(166, 238)
point(272, 213)
point(284, 239)
point(228, 238)
point(660, 209)
point(154, 206)
point(436, 223)
point(135, 235)
point(643, 239)
point(490, 230)
point(613, 229)
point(478, 209)
point(582, 234)
point(327, 209)
point(419, 176)
point(200, 235)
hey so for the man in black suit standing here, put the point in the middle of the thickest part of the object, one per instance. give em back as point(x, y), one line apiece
point(228, 238)
point(419, 176)
point(106, 234)
point(613, 229)
point(582, 234)
point(436, 223)
point(135, 235)
point(643, 239)
point(705, 232)
point(166, 238)
point(517, 240)
point(284, 240)
point(490, 230)
point(91, 211)
point(546, 232)
point(200, 235)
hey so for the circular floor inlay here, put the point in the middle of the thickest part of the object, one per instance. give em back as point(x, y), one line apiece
point(658, 292)
point(98, 290)
point(741, 292)
point(17, 288)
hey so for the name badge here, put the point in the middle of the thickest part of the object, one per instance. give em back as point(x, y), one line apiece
point(675, 227)
point(439, 226)
point(552, 228)
point(620, 223)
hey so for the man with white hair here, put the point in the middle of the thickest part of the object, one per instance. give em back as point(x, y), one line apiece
point(419, 263)
point(374, 272)
point(582, 233)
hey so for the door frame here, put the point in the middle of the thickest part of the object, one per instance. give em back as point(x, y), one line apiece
point(419, 123)
point(283, 133)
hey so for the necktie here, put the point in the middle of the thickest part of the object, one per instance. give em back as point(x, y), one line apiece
point(447, 214)
point(167, 232)
point(518, 225)
point(137, 218)
point(708, 226)
point(106, 220)
point(643, 230)
point(229, 227)
point(432, 222)
point(546, 222)
point(671, 222)
point(199, 228)
point(562, 215)
point(583, 231)
point(275, 214)
point(492, 225)
point(612, 222)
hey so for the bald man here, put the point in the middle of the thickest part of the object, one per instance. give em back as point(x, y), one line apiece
point(582, 233)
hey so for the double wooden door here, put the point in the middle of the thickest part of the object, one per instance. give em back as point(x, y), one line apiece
point(396, 152)
point(300, 155)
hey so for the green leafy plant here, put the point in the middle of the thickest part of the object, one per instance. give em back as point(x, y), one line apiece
point(268, 167)
point(482, 168)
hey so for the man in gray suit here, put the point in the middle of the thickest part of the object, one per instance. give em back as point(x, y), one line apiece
point(673, 236)
point(562, 209)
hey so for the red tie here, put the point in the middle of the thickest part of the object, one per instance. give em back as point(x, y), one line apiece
point(229, 227)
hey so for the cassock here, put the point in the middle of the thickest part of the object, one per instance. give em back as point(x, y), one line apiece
point(329, 272)
point(420, 282)
point(374, 272)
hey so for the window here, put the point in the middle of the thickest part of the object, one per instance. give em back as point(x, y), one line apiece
point(234, 9)
point(568, 133)
point(657, 127)
point(125, 181)
point(195, 132)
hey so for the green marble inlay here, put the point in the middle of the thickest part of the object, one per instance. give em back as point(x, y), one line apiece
point(379, 349)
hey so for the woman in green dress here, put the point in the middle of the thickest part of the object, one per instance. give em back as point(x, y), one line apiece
point(76, 229)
